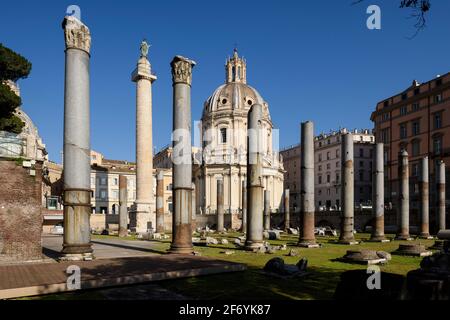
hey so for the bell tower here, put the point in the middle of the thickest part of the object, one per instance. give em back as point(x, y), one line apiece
point(236, 69)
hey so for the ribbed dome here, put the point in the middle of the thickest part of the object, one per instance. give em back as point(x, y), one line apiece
point(233, 96)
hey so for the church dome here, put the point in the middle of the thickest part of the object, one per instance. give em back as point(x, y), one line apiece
point(235, 95)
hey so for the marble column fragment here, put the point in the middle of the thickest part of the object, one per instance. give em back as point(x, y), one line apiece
point(220, 207)
point(160, 202)
point(347, 191)
point(77, 145)
point(123, 208)
point(441, 195)
point(287, 217)
point(266, 210)
point(255, 187)
point(403, 196)
point(244, 207)
point(378, 195)
point(182, 161)
point(307, 238)
point(424, 200)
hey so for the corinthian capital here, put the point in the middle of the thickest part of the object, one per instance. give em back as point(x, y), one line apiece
point(182, 70)
point(76, 34)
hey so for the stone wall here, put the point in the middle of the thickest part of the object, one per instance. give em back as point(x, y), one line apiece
point(101, 222)
point(20, 210)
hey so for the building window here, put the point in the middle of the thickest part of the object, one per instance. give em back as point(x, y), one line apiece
point(337, 153)
point(337, 177)
point(404, 96)
point(328, 156)
point(320, 157)
point(361, 175)
point(403, 131)
point(223, 135)
point(320, 168)
point(416, 127)
point(437, 145)
point(415, 106)
point(337, 164)
point(403, 110)
point(103, 194)
point(437, 120)
point(416, 91)
point(385, 135)
point(328, 178)
point(328, 166)
point(103, 181)
point(361, 152)
point(361, 164)
point(386, 103)
point(320, 179)
point(415, 148)
point(415, 170)
point(115, 181)
point(438, 98)
point(115, 194)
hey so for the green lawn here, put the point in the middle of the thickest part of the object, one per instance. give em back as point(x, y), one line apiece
point(252, 284)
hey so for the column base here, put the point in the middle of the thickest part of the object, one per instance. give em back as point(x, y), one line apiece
point(76, 257)
point(426, 236)
point(404, 238)
point(142, 219)
point(181, 250)
point(308, 245)
point(379, 239)
point(348, 242)
point(253, 245)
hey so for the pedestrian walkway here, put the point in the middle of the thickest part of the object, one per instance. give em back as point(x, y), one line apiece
point(21, 280)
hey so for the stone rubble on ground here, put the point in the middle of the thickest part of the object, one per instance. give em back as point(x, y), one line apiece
point(210, 240)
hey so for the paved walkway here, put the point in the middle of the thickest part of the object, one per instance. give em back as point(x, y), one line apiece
point(44, 278)
point(118, 262)
point(103, 248)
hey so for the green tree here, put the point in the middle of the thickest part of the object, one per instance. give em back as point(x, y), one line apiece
point(12, 67)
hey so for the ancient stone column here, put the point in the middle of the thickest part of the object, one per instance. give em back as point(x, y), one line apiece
point(424, 200)
point(307, 238)
point(182, 159)
point(194, 208)
point(287, 218)
point(244, 207)
point(347, 191)
point(160, 202)
point(378, 194)
point(255, 187)
point(142, 217)
point(220, 208)
point(77, 144)
point(123, 209)
point(403, 196)
point(441, 195)
point(266, 210)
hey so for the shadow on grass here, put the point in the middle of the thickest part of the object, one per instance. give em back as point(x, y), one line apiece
point(320, 284)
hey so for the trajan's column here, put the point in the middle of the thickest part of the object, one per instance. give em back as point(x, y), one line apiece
point(142, 215)
point(77, 144)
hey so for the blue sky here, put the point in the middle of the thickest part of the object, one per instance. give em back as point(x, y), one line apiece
point(310, 60)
